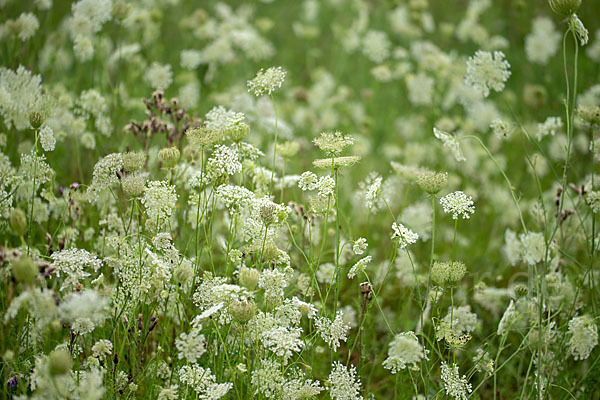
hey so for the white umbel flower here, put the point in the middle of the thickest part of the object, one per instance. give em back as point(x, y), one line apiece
point(543, 41)
point(458, 203)
point(487, 71)
point(332, 331)
point(190, 346)
point(404, 351)
point(28, 24)
point(372, 192)
point(583, 337)
point(455, 386)
point(266, 82)
point(47, 139)
point(159, 199)
point(343, 383)
point(551, 126)
point(159, 76)
point(359, 267)
point(283, 341)
point(20, 93)
point(405, 236)
point(203, 382)
point(224, 161)
point(73, 265)
point(84, 311)
point(105, 175)
point(308, 181)
point(359, 246)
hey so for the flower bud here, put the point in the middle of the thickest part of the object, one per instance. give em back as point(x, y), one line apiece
point(24, 270)
point(59, 362)
point(18, 221)
point(238, 132)
point(242, 311)
point(271, 252)
point(121, 10)
point(169, 156)
point(133, 161)
point(183, 273)
point(521, 290)
point(432, 182)
point(133, 184)
point(448, 273)
point(8, 356)
point(249, 278)
point(564, 7)
point(268, 213)
point(202, 136)
point(36, 119)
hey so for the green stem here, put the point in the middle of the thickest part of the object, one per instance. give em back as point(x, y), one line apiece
point(33, 190)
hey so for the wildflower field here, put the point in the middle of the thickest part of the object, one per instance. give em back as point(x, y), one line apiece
point(299, 199)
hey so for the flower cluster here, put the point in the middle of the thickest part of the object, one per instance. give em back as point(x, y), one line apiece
point(458, 203)
point(487, 71)
point(267, 81)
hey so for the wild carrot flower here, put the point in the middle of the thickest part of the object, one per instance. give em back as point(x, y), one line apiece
point(359, 267)
point(333, 142)
point(343, 383)
point(404, 235)
point(267, 81)
point(583, 337)
point(487, 71)
point(404, 351)
point(458, 203)
point(332, 331)
point(455, 386)
point(359, 246)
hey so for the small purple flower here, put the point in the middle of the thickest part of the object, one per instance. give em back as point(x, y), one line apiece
point(13, 382)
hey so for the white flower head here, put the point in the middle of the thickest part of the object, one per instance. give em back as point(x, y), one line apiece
point(159, 76)
point(487, 71)
point(359, 266)
point(404, 235)
point(458, 203)
point(405, 351)
point(583, 337)
point(455, 386)
point(267, 81)
point(359, 246)
point(47, 139)
point(332, 331)
point(344, 385)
